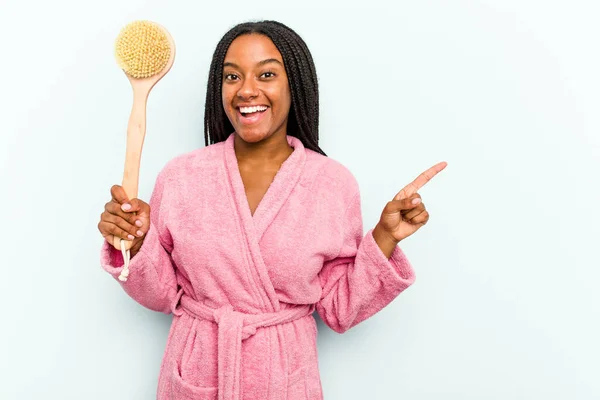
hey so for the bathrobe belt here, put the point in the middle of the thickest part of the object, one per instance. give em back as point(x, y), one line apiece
point(233, 327)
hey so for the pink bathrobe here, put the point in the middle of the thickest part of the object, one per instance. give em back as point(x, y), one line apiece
point(242, 287)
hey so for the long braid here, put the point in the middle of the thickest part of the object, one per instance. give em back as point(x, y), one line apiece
point(303, 119)
point(309, 99)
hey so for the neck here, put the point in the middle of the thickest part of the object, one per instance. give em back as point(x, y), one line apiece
point(270, 151)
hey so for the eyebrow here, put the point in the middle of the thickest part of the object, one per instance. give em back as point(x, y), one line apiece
point(260, 64)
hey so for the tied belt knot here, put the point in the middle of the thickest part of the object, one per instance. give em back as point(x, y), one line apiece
point(233, 328)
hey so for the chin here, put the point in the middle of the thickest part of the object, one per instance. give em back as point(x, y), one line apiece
point(252, 136)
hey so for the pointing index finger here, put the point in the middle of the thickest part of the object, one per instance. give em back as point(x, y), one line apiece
point(420, 181)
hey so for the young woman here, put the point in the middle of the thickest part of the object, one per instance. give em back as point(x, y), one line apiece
point(245, 238)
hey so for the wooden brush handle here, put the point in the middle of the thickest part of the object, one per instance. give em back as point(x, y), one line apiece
point(136, 131)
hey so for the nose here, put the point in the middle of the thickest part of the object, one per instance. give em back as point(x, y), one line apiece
point(248, 90)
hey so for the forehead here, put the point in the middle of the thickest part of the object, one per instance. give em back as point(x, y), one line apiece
point(251, 49)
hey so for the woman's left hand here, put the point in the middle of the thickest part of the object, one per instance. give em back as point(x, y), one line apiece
point(406, 213)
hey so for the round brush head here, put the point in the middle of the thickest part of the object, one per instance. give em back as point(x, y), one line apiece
point(142, 49)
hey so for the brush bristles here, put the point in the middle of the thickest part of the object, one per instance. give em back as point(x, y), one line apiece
point(142, 49)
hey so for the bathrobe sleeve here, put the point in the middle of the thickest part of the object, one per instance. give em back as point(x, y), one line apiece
point(151, 280)
point(361, 280)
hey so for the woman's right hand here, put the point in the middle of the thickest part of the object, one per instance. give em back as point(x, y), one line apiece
point(124, 218)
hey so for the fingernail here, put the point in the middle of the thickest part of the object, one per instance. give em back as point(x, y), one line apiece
point(126, 207)
point(138, 223)
point(131, 237)
point(140, 233)
point(416, 201)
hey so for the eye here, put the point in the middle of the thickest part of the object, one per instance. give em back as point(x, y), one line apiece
point(267, 75)
point(231, 77)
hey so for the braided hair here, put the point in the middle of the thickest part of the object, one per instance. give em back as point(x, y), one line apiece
point(303, 118)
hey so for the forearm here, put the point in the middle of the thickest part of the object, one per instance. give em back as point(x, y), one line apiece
point(356, 287)
point(151, 281)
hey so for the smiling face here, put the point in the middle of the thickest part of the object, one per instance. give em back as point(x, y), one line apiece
point(255, 91)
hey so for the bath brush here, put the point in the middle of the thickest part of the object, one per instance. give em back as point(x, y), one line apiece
point(145, 51)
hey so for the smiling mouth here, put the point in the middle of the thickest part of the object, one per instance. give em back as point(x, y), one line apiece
point(251, 115)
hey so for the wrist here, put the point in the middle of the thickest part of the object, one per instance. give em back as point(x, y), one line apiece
point(382, 236)
point(135, 248)
point(386, 242)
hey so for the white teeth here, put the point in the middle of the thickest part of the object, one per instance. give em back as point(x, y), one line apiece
point(249, 110)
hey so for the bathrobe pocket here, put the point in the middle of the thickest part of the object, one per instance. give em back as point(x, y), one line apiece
point(181, 390)
point(297, 385)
